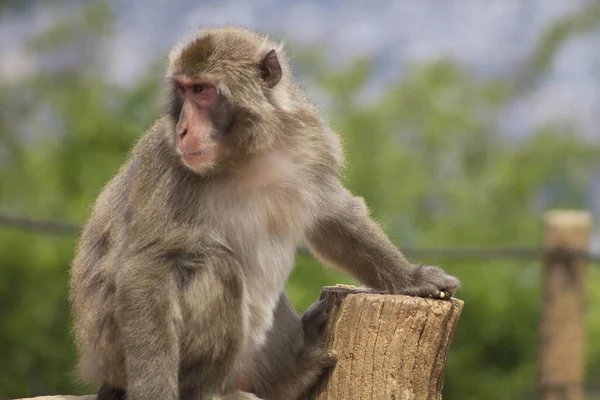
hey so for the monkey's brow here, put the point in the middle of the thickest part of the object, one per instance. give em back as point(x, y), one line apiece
point(182, 79)
point(188, 79)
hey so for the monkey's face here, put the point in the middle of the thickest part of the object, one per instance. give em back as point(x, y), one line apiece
point(221, 84)
point(204, 117)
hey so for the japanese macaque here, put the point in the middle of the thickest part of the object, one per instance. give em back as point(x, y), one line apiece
point(177, 286)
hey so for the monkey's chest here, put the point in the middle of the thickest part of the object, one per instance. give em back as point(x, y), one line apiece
point(266, 245)
point(268, 271)
point(262, 224)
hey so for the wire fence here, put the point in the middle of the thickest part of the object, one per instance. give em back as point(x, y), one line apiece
point(38, 225)
point(63, 228)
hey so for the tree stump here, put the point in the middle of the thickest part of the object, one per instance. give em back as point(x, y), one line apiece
point(388, 346)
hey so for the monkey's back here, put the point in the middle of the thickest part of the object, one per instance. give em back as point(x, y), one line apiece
point(94, 270)
point(93, 286)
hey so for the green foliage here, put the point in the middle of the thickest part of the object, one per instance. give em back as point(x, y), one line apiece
point(429, 160)
point(586, 20)
point(35, 342)
point(64, 133)
point(427, 156)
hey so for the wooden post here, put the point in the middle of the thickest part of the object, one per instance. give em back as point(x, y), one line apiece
point(562, 327)
point(389, 346)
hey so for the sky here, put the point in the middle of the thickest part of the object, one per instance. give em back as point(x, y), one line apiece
point(491, 37)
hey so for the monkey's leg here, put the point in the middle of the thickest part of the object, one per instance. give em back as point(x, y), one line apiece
point(149, 320)
point(107, 393)
point(213, 330)
point(345, 235)
point(292, 359)
point(179, 314)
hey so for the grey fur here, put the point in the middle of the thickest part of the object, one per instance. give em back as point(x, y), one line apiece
point(178, 282)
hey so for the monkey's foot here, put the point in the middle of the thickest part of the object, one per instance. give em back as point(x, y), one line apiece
point(313, 323)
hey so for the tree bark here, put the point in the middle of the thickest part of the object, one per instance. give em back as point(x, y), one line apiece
point(388, 346)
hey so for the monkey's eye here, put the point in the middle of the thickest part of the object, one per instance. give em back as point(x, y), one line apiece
point(181, 89)
point(199, 88)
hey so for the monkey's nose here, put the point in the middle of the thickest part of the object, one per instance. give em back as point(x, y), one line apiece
point(180, 136)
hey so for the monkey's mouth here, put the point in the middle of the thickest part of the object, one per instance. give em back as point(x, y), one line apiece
point(196, 159)
point(196, 153)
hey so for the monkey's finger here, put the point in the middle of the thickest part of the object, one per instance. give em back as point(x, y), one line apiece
point(322, 319)
point(317, 313)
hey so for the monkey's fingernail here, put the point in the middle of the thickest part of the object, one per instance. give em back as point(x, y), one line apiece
point(332, 355)
point(442, 295)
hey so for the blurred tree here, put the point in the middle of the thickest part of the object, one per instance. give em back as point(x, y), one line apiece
point(429, 159)
point(64, 131)
point(427, 156)
point(16, 5)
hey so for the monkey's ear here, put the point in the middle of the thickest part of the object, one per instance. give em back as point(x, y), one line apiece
point(270, 69)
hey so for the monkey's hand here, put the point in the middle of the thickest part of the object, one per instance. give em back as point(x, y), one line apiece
point(428, 281)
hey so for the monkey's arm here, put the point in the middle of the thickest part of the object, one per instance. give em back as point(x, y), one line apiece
point(147, 318)
point(344, 235)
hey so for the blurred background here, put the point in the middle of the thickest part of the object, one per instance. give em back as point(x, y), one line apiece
point(463, 122)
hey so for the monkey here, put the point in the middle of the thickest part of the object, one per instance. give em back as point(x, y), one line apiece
point(177, 284)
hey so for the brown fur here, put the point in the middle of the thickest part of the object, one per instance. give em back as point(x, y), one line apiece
point(178, 282)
